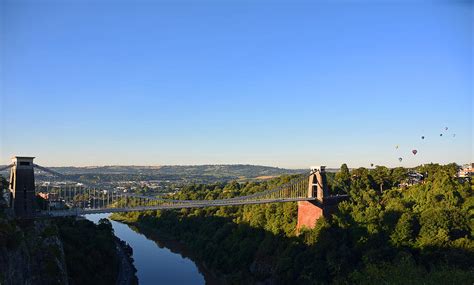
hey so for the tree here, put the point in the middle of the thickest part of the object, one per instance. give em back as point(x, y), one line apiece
point(3, 188)
point(342, 181)
point(398, 175)
point(105, 225)
point(381, 175)
point(404, 232)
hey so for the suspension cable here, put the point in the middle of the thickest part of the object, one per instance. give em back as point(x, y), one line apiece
point(6, 167)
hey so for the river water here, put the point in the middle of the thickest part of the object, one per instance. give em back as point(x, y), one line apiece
point(155, 264)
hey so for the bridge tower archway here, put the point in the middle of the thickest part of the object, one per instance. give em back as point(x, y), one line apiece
point(309, 212)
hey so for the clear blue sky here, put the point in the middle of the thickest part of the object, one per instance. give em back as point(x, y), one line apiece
point(282, 83)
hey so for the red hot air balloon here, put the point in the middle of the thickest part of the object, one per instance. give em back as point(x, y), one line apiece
point(414, 151)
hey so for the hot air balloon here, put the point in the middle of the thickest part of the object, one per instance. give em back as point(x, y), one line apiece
point(446, 128)
point(440, 135)
point(400, 159)
point(396, 146)
point(371, 165)
point(422, 137)
point(414, 152)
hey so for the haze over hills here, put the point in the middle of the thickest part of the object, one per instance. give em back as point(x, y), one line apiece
point(216, 170)
point(232, 170)
point(196, 173)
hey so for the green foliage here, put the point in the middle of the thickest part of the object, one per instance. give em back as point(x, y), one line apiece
point(404, 270)
point(382, 176)
point(342, 180)
point(404, 231)
point(90, 252)
point(383, 235)
point(3, 189)
point(11, 235)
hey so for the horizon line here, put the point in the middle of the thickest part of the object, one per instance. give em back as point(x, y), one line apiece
point(241, 164)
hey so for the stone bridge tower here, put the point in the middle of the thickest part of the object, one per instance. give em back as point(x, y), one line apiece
point(22, 187)
point(322, 206)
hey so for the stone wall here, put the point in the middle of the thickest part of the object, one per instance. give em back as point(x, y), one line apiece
point(308, 213)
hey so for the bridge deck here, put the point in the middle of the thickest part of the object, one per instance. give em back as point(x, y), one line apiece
point(198, 204)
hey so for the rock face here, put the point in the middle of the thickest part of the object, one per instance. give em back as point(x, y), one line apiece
point(31, 252)
point(126, 274)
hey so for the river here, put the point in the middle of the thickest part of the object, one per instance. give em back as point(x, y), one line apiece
point(155, 264)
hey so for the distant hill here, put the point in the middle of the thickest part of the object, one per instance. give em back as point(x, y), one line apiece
point(228, 170)
point(187, 173)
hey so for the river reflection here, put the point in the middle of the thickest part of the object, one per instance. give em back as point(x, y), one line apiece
point(155, 265)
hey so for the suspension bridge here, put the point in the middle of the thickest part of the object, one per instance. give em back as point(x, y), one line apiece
point(308, 189)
